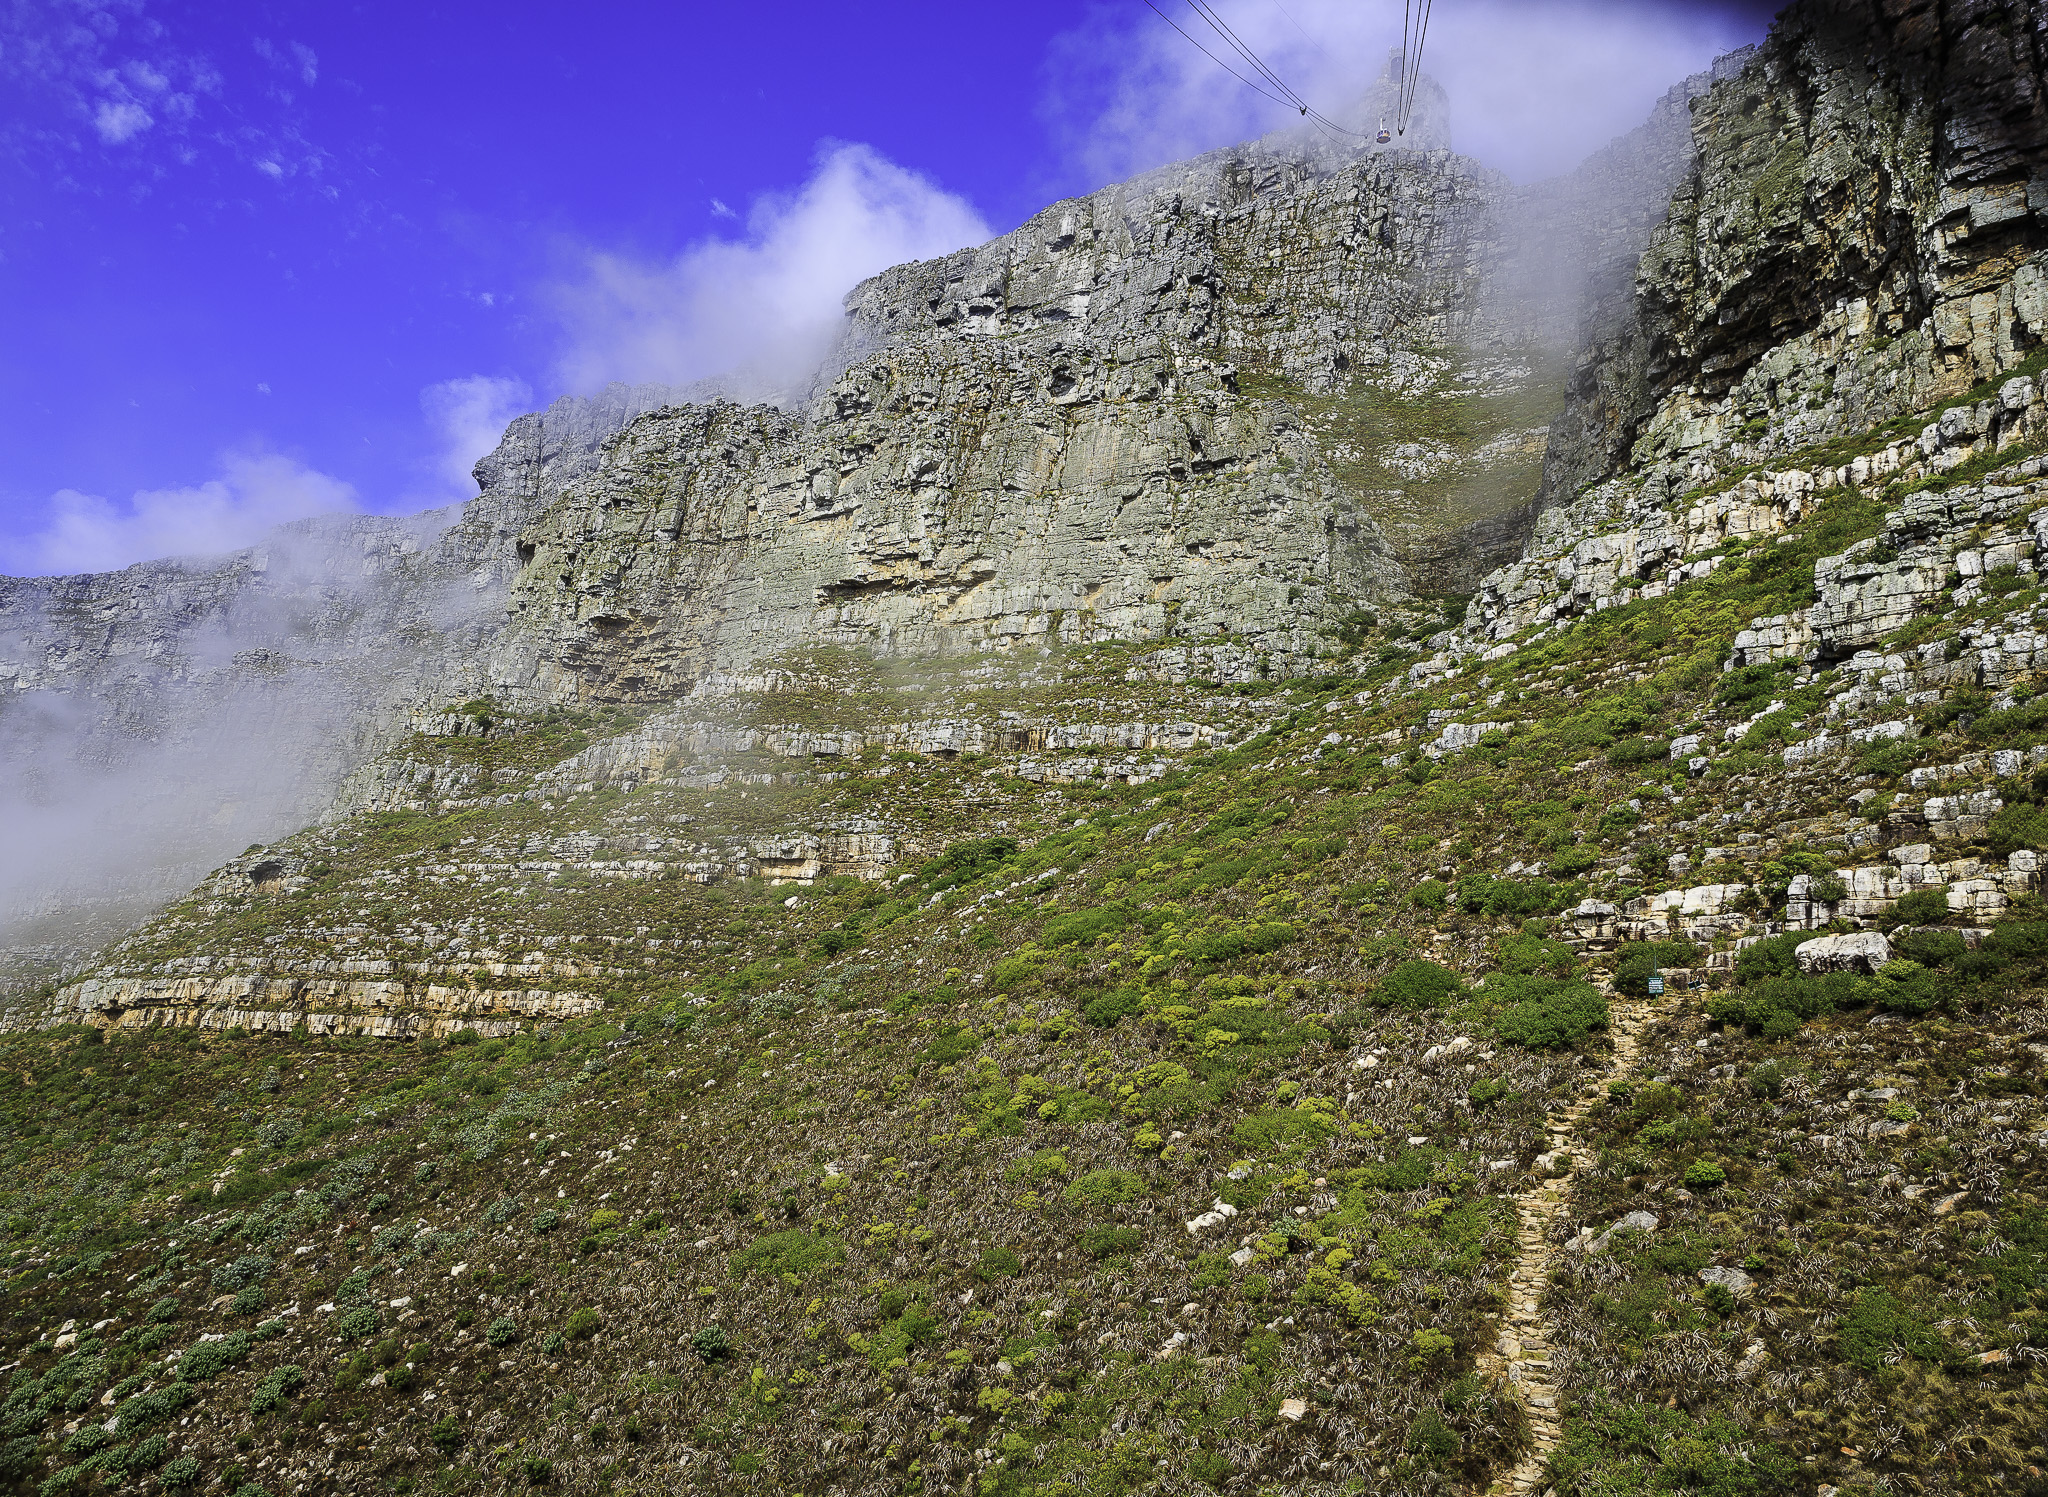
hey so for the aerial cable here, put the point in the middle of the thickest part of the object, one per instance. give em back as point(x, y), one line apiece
point(1222, 28)
point(1298, 27)
point(1286, 97)
point(1293, 98)
point(1262, 93)
point(1411, 63)
point(1206, 10)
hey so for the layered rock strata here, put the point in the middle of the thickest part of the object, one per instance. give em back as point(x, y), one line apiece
point(1862, 233)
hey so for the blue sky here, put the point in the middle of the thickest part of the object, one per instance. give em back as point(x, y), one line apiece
point(265, 259)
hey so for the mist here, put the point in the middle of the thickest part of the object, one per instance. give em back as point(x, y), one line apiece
point(255, 492)
point(157, 720)
point(756, 314)
point(1535, 85)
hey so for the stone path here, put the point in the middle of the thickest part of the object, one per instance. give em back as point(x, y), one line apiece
point(1523, 1352)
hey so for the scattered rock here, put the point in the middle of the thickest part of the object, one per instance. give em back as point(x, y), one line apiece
point(1863, 951)
point(1734, 1280)
point(1635, 1221)
point(1293, 1410)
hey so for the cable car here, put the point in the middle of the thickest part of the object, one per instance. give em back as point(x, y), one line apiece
point(1385, 134)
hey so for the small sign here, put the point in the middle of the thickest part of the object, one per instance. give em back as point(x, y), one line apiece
point(1657, 985)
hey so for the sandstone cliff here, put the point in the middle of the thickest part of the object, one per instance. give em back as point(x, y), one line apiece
point(1862, 234)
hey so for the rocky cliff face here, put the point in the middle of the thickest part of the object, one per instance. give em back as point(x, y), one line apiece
point(1198, 409)
point(157, 719)
point(1594, 1048)
point(1167, 410)
point(1862, 234)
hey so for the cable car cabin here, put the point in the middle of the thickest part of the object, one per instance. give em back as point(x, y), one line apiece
point(1384, 136)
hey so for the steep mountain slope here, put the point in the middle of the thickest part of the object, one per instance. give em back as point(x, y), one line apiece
point(1592, 1040)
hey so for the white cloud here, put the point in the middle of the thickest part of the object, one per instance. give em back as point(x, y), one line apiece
point(1534, 85)
point(469, 416)
point(766, 307)
point(120, 119)
point(255, 492)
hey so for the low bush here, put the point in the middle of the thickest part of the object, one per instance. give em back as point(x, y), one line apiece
point(278, 1385)
point(1106, 1241)
point(1638, 961)
point(1431, 894)
point(795, 1252)
point(1546, 1013)
point(711, 1343)
point(356, 1324)
point(1921, 907)
point(1105, 1188)
point(1483, 894)
point(1417, 985)
point(1107, 1010)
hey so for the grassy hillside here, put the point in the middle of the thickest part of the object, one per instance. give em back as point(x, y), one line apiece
point(1163, 1136)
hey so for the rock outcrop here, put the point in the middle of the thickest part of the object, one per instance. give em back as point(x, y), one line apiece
point(1861, 234)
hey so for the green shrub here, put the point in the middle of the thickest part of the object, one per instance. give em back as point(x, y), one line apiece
point(1638, 751)
point(998, 1262)
point(1750, 683)
point(209, 1359)
point(1531, 952)
point(1432, 1439)
point(503, 1331)
point(2015, 827)
point(1105, 1188)
point(1773, 956)
point(1546, 1013)
point(1106, 1241)
point(2019, 939)
point(1482, 894)
point(1281, 1131)
point(1107, 1010)
point(1486, 1090)
point(1570, 862)
point(795, 1251)
point(1638, 961)
point(1417, 985)
point(583, 1324)
point(1876, 1324)
point(1083, 926)
point(952, 1045)
point(1431, 894)
point(1903, 986)
point(446, 1435)
point(356, 1324)
point(539, 1470)
point(1930, 948)
point(18, 1458)
point(711, 1343)
point(279, 1384)
point(1612, 1448)
point(1777, 1006)
point(547, 1221)
point(183, 1472)
point(1921, 907)
point(1704, 1174)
